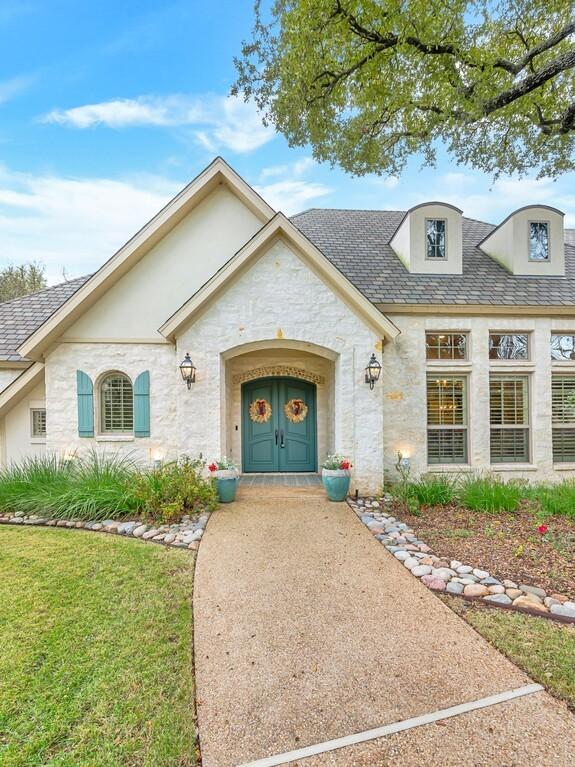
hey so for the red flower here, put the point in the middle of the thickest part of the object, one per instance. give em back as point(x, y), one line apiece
point(345, 465)
point(213, 467)
point(542, 529)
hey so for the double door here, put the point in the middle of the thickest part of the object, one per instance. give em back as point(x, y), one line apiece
point(278, 425)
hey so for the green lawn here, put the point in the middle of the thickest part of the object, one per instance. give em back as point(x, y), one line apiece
point(543, 648)
point(96, 651)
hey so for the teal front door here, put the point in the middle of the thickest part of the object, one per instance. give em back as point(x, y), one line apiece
point(278, 425)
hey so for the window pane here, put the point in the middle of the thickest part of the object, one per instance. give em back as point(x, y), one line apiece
point(563, 399)
point(562, 346)
point(508, 346)
point(446, 401)
point(117, 404)
point(563, 445)
point(538, 240)
point(38, 422)
point(509, 445)
point(508, 400)
point(446, 346)
point(447, 446)
point(435, 230)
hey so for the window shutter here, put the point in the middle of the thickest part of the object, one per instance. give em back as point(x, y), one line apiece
point(85, 394)
point(142, 405)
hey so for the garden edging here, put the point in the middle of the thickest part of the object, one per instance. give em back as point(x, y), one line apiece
point(184, 535)
point(453, 577)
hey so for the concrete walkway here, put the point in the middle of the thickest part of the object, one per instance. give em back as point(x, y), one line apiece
point(307, 630)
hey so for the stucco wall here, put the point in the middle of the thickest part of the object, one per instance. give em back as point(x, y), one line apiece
point(280, 298)
point(141, 301)
point(18, 442)
point(404, 383)
point(7, 375)
point(95, 360)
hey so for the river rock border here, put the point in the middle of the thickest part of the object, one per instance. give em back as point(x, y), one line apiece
point(451, 576)
point(187, 534)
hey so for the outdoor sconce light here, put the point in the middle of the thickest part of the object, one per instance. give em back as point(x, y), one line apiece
point(188, 371)
point(372, 371)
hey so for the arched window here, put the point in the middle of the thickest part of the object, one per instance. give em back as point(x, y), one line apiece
point(116, 404)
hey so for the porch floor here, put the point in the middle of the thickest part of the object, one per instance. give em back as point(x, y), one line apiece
point(271, 479)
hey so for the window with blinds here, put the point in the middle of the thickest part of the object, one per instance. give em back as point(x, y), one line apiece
point(38, 422)
point(563, 418)
point(116, 404)
point(446, 419)
point(509, 418)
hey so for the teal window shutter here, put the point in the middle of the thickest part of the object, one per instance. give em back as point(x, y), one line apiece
point(85, 393)
point(142, 405)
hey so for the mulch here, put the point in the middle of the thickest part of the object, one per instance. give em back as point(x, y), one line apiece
point(506, 544)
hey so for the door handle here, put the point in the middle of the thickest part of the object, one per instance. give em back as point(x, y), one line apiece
point(276, 436)
point(282, 438)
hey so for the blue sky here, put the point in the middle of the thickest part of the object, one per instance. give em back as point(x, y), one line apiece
point(108, 108)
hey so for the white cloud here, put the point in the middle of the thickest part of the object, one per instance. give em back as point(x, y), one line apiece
point(218, 121)
point(14, 86)
point(290, 193)
point(72, 223)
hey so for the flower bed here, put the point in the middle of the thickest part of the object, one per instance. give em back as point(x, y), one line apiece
point(462, 571)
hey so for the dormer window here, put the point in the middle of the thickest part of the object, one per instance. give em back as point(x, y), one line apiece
point(539, 241)
point(436, 231)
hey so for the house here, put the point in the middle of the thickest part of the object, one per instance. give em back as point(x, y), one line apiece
point(473, 325)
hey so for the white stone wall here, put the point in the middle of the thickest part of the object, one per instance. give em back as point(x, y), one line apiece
point(18, 441)
point(404, 384)
point(280, 298)
point(95, 360)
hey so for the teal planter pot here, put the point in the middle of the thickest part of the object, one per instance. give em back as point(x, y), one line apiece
point(227, 488)
point(336, 483)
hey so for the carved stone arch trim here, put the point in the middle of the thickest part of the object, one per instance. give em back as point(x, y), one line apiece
point(278, 370)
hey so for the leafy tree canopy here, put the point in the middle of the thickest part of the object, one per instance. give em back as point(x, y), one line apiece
point(368, 83)
point(16, 281)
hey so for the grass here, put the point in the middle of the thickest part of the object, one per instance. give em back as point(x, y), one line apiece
point(554, 500)
point(96, 662)
point(544, 649)
point(431, 489)
point(481, 493)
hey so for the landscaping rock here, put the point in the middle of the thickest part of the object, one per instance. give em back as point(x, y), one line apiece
point(475, 590)
point(97, 526)
point(560, 598)
point(497, 589)
point(443, 572)
point(149, 534)
point(401, 555)
point(454, 588)
point(169, 538)
point(464, 569)
point(541, 593)
point(410, 563)
point(524, 602)
point(500, 599)
point(509, 584)
point(533, 598)
point(421, 570)
point(567, 609)
point(139, 531)
point(491, 581)
point(549, 602)
point(434, 583)
point(481, 574)
point(513, 593)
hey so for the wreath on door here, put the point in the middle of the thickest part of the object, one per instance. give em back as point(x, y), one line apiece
point(295, 410)
point(260, 411)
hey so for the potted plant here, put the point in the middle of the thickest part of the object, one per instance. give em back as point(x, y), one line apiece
point(227, 478)
point(336, 477)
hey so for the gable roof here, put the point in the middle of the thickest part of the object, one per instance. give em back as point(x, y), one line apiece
point(18, 388)
point(217, 172)
point(357, 242)
point(280, 226)
point(22, 316)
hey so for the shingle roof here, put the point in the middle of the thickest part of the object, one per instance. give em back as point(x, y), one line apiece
point(357, 242)
point(21, 316)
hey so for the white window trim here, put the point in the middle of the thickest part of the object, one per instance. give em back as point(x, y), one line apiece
point(539, 260)
point(467, 426)
point(109, 436)
point(524, 465)
point(431, 258)
point(36, 405)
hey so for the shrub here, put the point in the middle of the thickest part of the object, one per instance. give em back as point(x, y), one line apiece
point(175, 489)
point(432, 489)
point(486, 493)
point(94, 487)
point(557, 499)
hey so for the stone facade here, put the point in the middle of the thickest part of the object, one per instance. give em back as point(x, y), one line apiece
point(280, 302)
point(404, 385)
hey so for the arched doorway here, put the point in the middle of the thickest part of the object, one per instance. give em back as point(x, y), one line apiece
point(279, 425)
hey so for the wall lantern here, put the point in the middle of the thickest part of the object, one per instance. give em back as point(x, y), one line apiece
point(372, 371)
point(188, 371)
